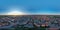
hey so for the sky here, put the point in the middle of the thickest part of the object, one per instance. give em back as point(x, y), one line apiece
point(30, 6)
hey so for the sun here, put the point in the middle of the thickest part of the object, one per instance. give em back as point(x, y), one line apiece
point(15, 13)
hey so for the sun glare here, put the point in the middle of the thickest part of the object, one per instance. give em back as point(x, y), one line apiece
point(15, 13)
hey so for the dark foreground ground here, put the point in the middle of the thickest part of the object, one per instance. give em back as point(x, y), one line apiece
point(30, 22)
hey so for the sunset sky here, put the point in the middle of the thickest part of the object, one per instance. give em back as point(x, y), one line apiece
point(30, 6)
